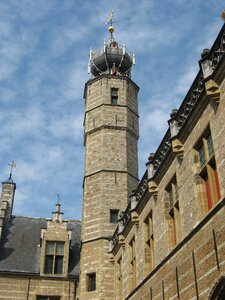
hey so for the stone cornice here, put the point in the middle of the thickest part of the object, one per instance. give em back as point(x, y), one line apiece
point(113, 105)
point(115, 127)
point(111, 171)
point(90, 81)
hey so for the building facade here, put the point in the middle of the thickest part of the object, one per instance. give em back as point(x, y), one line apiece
point(169, 243)
point(39, 258)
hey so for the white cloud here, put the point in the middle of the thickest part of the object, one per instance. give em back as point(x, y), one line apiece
point(67, 126)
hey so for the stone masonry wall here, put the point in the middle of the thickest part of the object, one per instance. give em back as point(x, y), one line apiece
point(189, 269)
point(24, 287)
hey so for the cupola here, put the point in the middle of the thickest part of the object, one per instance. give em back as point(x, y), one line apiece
point(112, 59)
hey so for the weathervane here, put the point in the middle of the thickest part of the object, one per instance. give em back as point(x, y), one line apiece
point(111, 29)
point(111, 17)
point(12, 165)
point(58, 199)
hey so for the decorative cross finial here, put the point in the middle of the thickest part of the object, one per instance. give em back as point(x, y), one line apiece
point(12, 165)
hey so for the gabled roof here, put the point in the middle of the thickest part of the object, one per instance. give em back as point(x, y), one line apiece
point(20, 245)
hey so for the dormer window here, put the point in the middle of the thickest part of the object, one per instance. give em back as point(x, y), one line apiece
point(54, 254)
point(55, 244)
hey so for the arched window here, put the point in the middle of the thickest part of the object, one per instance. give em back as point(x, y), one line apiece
point(218, 291)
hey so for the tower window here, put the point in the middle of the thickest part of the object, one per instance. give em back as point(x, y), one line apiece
point(114, 96)
point(91, 282)
point(54, 254)
point(114, 215)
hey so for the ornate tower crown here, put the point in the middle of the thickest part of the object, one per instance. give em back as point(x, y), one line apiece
point(112, 59)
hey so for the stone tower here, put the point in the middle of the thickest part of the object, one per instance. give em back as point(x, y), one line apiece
point(111, 165)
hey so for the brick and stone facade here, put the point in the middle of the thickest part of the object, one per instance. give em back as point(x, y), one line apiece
point(23, 251)
point(185, 255)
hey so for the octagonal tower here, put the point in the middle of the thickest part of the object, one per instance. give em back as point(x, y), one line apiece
point(111, 164)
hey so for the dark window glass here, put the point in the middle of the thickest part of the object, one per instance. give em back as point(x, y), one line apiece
point(91, 282)
point(113, 216)
point(54, 257)
point(58, 265)
point(210, 146)
point(59, 248)
point(50, 247)
point(48, 264)
point(114, 96)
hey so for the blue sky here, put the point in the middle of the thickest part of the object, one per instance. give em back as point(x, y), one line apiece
point(43, 67)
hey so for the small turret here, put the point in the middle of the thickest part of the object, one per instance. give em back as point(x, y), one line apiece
point(7, 199)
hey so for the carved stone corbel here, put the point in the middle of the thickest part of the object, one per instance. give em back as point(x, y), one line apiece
point(211, 87)
point(121, 240)
point(212, 90)
point(135, 218)
point(152, 187)
point(177, 147)
point(111, 258)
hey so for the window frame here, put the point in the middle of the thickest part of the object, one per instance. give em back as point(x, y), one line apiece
point(91, 282)
point(208, 169)
point(114, 96)
point(119, 277)
point(112, 214)
point(173, 210)
point(56, 259)
point(149, 242)
point(172, 195)
point(133, 266)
